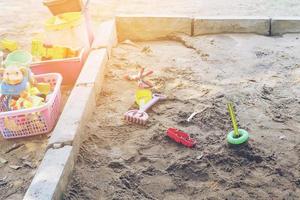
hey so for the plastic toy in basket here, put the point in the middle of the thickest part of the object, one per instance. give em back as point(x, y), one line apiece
point(35, 120)
point(15, 81)
point(49, 52)
point(9, 45)
point(28, 99)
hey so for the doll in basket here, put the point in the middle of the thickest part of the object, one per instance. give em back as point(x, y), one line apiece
point(17, 89)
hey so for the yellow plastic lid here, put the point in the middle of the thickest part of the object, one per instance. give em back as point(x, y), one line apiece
point(63, 21)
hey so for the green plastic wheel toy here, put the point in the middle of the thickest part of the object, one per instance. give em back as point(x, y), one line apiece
point(244, 136)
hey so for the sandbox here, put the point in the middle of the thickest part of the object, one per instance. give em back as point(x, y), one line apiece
point(94, 154)
point(259, 74)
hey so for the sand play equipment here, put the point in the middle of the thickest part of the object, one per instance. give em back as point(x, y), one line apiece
point(19, 57)
point(69, 68)
point(140, 78)
point(36, 120)
point(242, 138)
point(143, 96)
point(237, 136)
point(61, 6)
point(67, 30)
point(65, 48)
point(9, 45)
point(140, 116)
point(181, 137)
point(67, 40)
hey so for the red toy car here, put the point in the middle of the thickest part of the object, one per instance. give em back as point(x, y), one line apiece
point(181, 137)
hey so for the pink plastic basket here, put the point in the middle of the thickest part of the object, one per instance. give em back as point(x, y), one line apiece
point(33, 121)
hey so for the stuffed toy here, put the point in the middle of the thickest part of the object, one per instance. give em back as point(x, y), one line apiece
point(15, 80)
point(17, 84)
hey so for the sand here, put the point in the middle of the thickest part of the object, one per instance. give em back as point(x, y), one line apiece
point(22, 21)
point(260, 75)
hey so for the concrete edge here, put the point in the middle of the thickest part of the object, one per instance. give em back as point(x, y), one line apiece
point(284, 25)
point(92, 73)
point(151, 27)
point(36, 189)
point(154, 16)
point(78, 110)
point(271, 26)
point(52, 175)
point(204, 25)
point(157, 27)
point(107, 36)
point(81, 101)
point(90, 80)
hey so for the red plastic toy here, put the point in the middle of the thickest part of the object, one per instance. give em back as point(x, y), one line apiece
point(181, 137)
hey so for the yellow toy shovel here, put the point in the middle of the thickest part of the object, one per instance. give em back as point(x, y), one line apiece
point(143, 96)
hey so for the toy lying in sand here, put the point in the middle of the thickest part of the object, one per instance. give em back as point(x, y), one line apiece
point(237, 136)
point(181, 137)
point(140, 78)
point(140, 116)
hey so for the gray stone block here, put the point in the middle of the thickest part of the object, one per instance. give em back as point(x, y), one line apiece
point(282, 25)
point(52, 176)
point(81, 101)
point(142, 28)
point(93, 70)
point(106, 36)
point(77, 111)
point(223, 24)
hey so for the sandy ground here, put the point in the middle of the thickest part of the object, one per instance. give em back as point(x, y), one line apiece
point(13, 183)
point(22, 21)
point(118, 160)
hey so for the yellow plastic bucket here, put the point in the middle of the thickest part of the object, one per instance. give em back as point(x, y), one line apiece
point(64, 21)
point(67, 30)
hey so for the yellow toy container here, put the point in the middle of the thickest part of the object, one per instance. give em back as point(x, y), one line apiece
point(9, 45)
point(50, 52)
point(67, 30)
point(59, 52)
point(37, 48)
